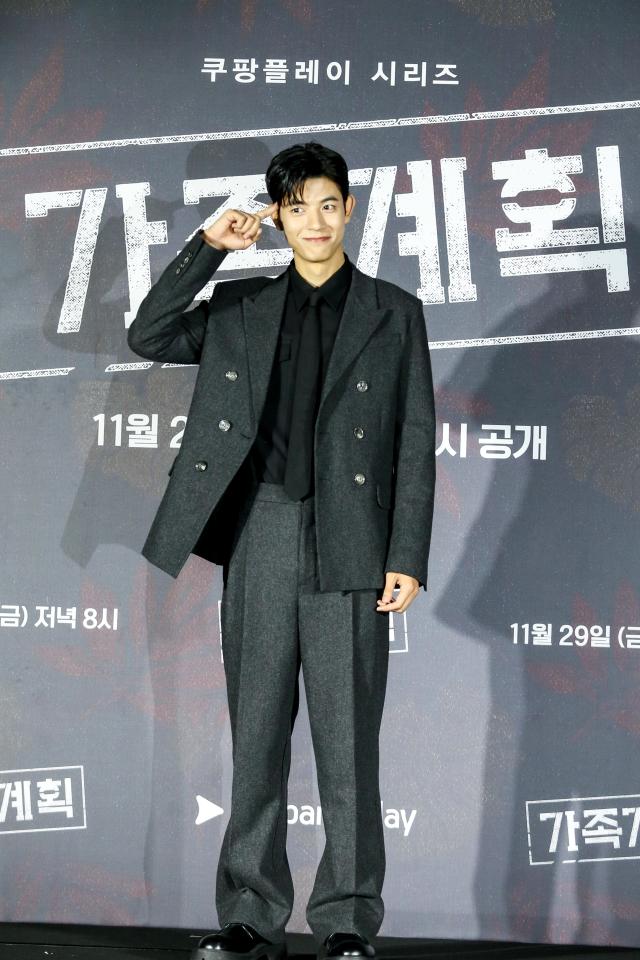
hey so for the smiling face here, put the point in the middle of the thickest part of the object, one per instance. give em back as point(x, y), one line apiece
point(314, 228)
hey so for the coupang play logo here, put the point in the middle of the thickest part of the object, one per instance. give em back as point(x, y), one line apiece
point(393, 818)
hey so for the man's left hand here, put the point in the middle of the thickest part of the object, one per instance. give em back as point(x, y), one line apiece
point(409, 589)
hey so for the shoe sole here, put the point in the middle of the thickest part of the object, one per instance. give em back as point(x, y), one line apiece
point(275, 951)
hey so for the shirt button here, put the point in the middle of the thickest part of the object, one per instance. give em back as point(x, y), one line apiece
point(231, 374)
point(362, 385)
point(201, 465)
point(358, 432)
point(359, 478)
point(224, 424)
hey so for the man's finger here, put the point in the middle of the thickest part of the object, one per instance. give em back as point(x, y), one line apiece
point(250, 225)
point(387, 594)
point(238, 219)
point(250, 238)
point(403, 592)
point(268, 211)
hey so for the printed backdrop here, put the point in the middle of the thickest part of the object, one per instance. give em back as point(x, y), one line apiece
point(493, 154)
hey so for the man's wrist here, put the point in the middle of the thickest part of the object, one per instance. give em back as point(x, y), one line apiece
point(211, 243)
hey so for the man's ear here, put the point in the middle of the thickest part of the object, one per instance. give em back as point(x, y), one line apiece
point(276, 219)
point(348, 207)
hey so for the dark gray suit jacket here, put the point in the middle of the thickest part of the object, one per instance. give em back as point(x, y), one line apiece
point(374, 487)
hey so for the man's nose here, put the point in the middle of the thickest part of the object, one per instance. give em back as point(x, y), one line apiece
point(316, 220)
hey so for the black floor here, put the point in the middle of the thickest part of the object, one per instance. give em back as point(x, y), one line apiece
point(49, 942)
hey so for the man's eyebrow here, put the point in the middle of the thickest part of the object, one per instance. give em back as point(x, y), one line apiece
point(301, 203)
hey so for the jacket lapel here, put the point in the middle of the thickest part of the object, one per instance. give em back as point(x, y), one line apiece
point(262, 314)
point(362, 314)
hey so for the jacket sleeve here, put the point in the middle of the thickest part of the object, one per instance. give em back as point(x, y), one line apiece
point(161, 329)
point(414, 457)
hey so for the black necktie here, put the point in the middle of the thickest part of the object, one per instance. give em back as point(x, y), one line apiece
point(298, 476)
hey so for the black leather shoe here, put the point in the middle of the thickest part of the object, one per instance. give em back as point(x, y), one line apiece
point(235, 941)
point(346, 945)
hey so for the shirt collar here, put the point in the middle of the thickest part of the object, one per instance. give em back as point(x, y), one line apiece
point(332, 289)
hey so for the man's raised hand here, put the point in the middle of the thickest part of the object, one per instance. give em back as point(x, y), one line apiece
point(237, 230)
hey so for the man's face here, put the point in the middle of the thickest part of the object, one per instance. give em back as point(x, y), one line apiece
point(314, 228)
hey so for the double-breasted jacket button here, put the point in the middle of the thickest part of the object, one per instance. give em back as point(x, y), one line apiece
point(359, 478)
point(358, 432)
point(224, 424)
point(200, 465)
point(362, 385)
point(231, 374)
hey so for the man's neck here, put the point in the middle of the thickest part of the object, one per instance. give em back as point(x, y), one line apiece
point(317, 273)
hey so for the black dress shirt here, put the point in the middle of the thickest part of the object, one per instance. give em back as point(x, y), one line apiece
point(269, 452)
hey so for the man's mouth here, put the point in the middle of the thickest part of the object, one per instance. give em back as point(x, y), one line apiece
point(316, 239)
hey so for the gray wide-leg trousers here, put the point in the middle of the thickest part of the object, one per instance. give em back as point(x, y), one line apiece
point(274, 619)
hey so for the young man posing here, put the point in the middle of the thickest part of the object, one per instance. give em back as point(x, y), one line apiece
point(307, 469)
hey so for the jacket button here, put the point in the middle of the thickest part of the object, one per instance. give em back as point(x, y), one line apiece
point(224, 424)
point(178, 270)
point(358, 432)
point(231, 374)
point(201, 465)
point(362, 385)
point(359, 478)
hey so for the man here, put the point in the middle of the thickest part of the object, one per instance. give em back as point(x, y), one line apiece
point(307, 469)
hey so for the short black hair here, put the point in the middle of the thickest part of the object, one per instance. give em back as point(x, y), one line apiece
point(289, 169)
